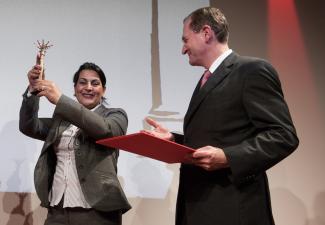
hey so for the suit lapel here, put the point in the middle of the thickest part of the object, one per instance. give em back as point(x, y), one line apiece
point(200, 94)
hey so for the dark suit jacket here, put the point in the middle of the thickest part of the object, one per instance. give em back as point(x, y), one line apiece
point(240, 109)
point(96, 164)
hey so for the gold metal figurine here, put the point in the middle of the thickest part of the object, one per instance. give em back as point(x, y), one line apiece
point(42, 46)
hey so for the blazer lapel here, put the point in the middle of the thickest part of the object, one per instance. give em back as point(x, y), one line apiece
point(200, 94)
point(59, 126)
point(56, 130)
point(62, 127)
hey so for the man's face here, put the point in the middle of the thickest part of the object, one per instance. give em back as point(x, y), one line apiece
point(193, 45)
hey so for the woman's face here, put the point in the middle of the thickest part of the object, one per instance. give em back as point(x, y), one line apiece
point(89, 89)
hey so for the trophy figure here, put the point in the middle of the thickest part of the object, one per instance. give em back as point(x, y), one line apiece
point(42, 46)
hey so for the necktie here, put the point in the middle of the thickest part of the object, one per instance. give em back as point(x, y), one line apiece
point(206, 76)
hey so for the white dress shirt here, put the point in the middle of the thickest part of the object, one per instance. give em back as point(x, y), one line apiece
point(65, 182)
point(219, 60)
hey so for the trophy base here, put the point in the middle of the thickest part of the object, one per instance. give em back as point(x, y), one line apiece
point(35, 92)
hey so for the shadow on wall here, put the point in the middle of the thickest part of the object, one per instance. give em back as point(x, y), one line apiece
point(18, 159)
point(16, 181)
point(18, 207)
point(292, 210)
point(157, 211)
point(318, 208)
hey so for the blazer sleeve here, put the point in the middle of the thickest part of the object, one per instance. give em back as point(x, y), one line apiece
point(108, 123)
point(275, 135)
point(29, 123)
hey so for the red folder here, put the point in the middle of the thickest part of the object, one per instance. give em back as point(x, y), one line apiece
point(150, 146)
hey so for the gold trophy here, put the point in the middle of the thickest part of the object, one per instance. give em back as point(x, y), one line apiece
point(42, 47)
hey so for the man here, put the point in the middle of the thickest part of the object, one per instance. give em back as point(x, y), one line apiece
point(240, 125)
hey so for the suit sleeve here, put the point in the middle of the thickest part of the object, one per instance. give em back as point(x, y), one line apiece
point(112, 122)
point(274, 137)
point(179, 138)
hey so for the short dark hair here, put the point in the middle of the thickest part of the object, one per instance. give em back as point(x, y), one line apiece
point(214, 18)
point(90, 66)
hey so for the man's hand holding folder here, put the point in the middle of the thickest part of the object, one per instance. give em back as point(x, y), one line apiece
point(207, 157)
point(159, 131)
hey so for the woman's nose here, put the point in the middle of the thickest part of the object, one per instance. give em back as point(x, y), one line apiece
point(89, 86)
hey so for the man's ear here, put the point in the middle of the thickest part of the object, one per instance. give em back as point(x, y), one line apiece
point(207, 32)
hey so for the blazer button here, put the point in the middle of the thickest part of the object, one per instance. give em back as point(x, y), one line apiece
point(77, 143)
point(82, 180)
point(81, 167)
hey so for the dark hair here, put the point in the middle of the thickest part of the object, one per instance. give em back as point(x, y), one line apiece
point(214, 18)
point(90, 66)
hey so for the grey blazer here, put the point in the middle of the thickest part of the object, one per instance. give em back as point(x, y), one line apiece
point(96, 164)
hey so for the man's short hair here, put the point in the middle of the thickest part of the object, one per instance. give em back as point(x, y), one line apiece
point(214, 18)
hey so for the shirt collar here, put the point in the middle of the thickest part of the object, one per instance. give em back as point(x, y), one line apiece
point(97, 106)
point(219, 60)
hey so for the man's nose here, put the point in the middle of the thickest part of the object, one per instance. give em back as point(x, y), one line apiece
point(184, 50)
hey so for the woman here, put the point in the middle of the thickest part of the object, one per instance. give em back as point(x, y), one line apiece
point(75, 178)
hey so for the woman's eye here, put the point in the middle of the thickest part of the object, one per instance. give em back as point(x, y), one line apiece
point(96, 83)
point(82, 82)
